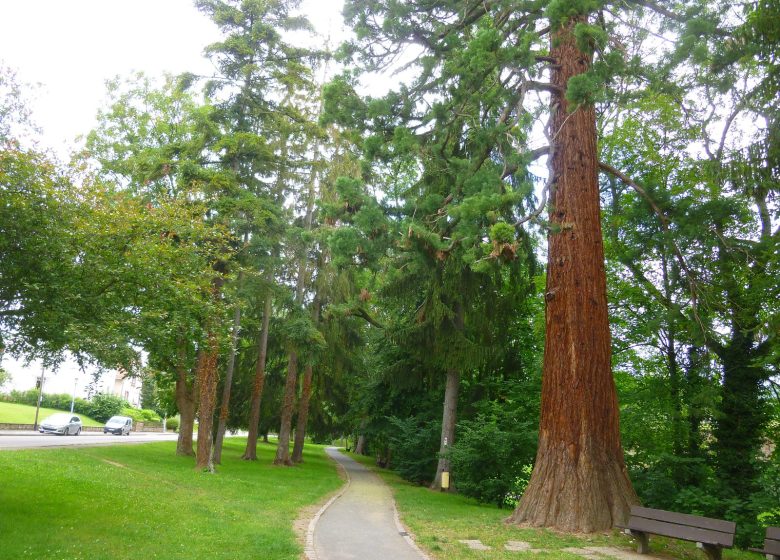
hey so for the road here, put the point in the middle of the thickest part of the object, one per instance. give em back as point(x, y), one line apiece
point(35, 440)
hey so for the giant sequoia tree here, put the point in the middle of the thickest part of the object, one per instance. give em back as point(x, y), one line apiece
point(519, 58)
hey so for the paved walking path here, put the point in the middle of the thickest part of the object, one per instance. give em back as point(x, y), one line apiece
point(361, 523)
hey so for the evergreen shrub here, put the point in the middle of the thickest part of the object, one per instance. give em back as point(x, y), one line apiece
point(414, 445)
point(491, 463)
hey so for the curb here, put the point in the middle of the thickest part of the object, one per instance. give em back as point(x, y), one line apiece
point(405, 534)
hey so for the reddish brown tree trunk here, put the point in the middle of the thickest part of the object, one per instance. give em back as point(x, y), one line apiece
point(207, 398)
point(185, 402)
point(303, 404)
point(283, 449)
point(250, 454)
point(303, 416)
point(579, 482)
point(224, 408)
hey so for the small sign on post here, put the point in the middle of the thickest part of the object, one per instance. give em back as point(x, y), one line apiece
point(445, 480)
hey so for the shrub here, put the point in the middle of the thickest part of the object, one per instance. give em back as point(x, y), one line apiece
point(104, 406)
point(141, 415)
point(491, 463)
point(413, 447)
point(172, 424)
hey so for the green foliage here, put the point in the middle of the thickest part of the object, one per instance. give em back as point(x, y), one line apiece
point(502, 232)
point(559, 12)
point(5, 377)
point(103, 406)
point(590, 38)
point(413, 444)
point(584, 89)
point(172, 423)
point(141, 415)
point(488, 457)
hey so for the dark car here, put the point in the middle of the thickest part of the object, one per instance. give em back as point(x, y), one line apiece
point(119, 425)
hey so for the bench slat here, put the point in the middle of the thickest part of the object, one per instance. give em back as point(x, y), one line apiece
point(772, 545)
point(684, 519)
point(773, 533)
point(694, 534)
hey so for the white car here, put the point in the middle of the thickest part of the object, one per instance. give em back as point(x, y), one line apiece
point(61, 423)
point(119, 425)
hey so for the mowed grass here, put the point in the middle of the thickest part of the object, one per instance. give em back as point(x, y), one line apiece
point(439, 521)
point(13, 413)
point(143, 502)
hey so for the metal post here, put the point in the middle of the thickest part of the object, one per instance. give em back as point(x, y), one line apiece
point(73, 399)
point(40, 397)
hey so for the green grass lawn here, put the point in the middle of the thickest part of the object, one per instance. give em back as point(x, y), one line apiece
point(13, 413)
point(440, 520)
point(143, 502)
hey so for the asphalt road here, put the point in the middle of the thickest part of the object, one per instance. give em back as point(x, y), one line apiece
point(36, 440)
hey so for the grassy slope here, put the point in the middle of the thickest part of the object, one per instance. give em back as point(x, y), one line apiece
point(144, 502)
point(440, 520)
point(13, 413)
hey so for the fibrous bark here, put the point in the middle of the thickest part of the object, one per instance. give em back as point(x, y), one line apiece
point(225, 405)
point(303, 404)
point(579, 482)
point(207, 398)
point(303, 416)
point(250, 454)
point(283, 449)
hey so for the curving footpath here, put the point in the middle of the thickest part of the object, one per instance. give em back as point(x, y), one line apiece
point(361, 522)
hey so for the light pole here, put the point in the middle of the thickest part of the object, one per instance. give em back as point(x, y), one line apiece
point(40, 397)
point(73, 399)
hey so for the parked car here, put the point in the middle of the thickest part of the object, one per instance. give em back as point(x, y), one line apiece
point(119, 425)
point(61, 423)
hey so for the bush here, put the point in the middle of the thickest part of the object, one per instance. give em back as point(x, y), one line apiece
point(141, 415)
point(104, 406)
point(172, 424)
point(413, 447)
point(490, 463)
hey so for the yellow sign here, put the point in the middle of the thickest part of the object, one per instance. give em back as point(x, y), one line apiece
point(445, 480)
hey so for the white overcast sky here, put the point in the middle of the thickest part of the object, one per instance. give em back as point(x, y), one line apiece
point(69, 48)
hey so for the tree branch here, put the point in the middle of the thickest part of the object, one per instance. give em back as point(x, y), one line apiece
point(533, 155)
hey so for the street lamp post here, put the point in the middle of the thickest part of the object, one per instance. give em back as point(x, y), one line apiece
point(40, 398)
point(73, 398)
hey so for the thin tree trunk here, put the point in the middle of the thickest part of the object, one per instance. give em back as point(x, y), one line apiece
point(303, 404)
point(225, 406)
point(283, 449)
point(360, 446)
point(207, 388)
point(185, 402)
point(250, 454)
point(303, 416)
point(448, 421)
point(579, 482)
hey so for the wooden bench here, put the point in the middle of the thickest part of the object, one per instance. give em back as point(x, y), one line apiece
point(710, 535)
point(771, 544)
